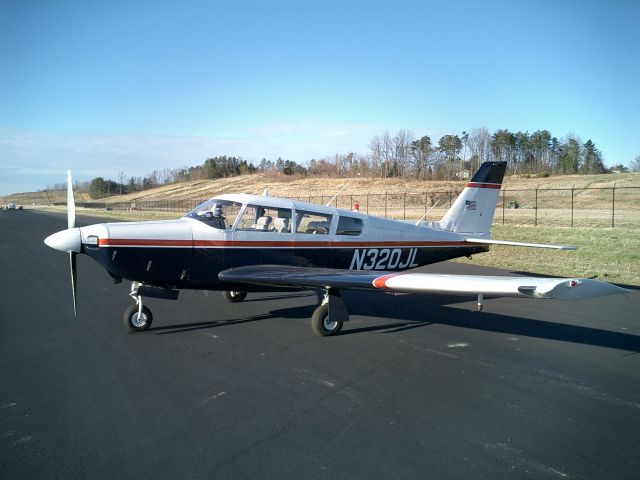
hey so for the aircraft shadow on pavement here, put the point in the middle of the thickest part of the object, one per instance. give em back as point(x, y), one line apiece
point(421, 310)
point(416, 311)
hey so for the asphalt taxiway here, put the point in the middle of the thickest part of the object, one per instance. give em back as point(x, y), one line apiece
point(416, 386)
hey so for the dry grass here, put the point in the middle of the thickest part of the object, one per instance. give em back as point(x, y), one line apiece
point(610, 254)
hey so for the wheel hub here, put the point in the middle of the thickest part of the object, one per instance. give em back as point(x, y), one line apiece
point(139, 320)
point(329, 324)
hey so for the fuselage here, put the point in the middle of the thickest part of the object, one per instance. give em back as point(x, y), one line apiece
point(239, 230)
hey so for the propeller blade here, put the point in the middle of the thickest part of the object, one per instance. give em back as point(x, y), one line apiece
point(74, 275)
point(71, 204)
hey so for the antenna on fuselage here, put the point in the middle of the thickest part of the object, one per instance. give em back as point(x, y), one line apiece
point(427, 212)
point(338, 193)
point(265, 193)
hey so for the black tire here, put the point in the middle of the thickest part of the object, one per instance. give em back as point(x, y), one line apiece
point(320, 323)
point(233, 296)
point(130, 318)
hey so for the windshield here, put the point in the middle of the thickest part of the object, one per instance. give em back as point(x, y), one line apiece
point(216, 213)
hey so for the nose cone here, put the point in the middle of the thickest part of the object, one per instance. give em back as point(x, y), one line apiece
point(65, 240)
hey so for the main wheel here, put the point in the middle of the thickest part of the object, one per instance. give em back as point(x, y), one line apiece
point(233, 296)
point(135, 322)
point(322, 325)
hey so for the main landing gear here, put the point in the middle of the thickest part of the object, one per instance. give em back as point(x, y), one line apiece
point(234, 296)
point(328, 317)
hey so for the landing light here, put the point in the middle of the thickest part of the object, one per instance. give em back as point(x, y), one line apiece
point(92, 240)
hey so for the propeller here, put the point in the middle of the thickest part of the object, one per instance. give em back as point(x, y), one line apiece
point(69, 240)
point(71, 223)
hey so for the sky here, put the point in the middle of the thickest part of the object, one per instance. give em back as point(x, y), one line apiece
point(135, 86)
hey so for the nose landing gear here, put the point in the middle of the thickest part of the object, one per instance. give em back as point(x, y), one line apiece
point(138, 317)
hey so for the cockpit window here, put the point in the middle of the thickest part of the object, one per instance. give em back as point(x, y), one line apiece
point(265, 219)
point(312, 222)
point(349, 226)
point(216, 213)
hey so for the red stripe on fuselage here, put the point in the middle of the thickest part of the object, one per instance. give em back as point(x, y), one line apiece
point(484, 185)
point(122, 242)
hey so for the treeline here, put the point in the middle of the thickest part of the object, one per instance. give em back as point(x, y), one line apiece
point(402, 155)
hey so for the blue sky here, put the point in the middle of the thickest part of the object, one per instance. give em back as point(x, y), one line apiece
point(103, 87)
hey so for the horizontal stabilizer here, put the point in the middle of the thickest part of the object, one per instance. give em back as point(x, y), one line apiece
point(520, 244)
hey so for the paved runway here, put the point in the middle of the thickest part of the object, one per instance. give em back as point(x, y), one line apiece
point(415, 387)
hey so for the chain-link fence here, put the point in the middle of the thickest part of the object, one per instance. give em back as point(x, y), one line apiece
point(568, 207)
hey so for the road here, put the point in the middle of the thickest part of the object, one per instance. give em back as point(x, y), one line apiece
point(414, 387)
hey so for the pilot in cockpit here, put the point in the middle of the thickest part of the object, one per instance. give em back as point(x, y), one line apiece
point(216, 217)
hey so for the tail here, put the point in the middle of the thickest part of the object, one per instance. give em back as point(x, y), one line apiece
point(473, 210)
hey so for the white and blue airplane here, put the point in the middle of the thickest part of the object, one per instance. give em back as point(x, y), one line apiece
point(240, 243)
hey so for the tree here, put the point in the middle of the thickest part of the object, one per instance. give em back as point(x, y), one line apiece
point(121, 178)
point(591, 159)
point(635, 164)
point(449, 146)
point(503, 145)
point(479, 143)
point(421, 150)
point(570, 159)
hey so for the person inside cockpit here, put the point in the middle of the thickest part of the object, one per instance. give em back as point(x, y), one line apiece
point(215, 217)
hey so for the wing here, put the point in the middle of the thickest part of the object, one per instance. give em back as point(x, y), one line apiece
point(536, 287)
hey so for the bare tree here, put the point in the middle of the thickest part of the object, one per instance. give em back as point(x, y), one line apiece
point(479, 143)
point(635, 164)
point(402, 150)
point(121, 178)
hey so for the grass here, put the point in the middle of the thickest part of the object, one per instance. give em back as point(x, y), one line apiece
point(610, 254)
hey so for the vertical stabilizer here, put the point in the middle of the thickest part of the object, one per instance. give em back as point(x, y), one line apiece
point(473, 210)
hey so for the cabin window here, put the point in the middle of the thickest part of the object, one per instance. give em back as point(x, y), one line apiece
point(349, 226)
point(216, 213)
point(313, 223)
point(265, 219)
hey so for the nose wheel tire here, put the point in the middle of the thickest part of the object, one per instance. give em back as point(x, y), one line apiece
point(233, 296)
point(321, 323)
point(135, 321)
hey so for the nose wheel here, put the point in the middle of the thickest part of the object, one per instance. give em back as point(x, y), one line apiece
point(138, 317)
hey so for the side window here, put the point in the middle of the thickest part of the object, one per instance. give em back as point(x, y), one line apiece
point(265, 219)
point(313, 223)
point(349, 226)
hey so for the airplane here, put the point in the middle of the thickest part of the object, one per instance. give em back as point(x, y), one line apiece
point(240, 243)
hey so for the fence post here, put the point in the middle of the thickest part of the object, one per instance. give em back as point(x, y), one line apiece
point(426, 198)
point(504, 201)
point(404, 206)
point(535, 222)
point(613, 205)
point(572, 188)
point(385, 204)
point(367, 204)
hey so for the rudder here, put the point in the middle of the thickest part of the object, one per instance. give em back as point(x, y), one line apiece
point(473, 210)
